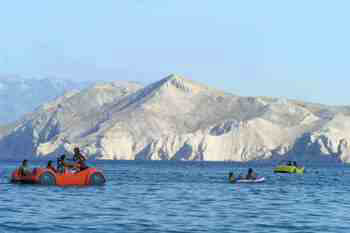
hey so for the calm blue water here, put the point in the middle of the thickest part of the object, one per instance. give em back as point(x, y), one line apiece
point(181, 197)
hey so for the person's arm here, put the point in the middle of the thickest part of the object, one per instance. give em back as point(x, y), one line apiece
point(255, 175)
point(53, 169)
point(82, 157)
point(77, 165)
point(67, 165)
point(20, 171)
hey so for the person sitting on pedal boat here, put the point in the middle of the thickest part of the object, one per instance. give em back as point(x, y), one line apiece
point(24, 168)
point(50, 166)
point(62, 164)
point(80, 158)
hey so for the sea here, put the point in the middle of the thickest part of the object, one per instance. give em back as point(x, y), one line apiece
point(179, 196)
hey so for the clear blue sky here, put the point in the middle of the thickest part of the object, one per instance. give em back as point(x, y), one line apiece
point(296, 49)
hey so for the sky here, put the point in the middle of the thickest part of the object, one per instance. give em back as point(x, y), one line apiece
point(291, 49)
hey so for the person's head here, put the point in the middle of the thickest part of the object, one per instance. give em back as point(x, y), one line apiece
point(230, 174)
point(49, 163)
point(63, 157)
point(76, 150)
point(24, 162)
point(250, 170)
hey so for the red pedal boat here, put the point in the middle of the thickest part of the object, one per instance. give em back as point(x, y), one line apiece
point(44, 176)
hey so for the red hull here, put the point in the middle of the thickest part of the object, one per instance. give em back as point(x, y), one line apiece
point(89, 176)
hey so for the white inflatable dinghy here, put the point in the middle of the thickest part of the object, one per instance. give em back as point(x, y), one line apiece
point(257, 180)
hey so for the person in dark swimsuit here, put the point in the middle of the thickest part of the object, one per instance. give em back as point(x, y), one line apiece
point(80, 159)
point(231, 177)
point(251, 174)
point(62, 164)
point(24, 168)
point(50, 166)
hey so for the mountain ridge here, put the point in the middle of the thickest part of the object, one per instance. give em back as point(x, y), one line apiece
point(19, 96)
point(176, 118)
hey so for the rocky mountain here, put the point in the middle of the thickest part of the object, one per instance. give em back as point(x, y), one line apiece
point(177, 119)
point(23, 95)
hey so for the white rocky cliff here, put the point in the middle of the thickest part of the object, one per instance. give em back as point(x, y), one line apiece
point(176, 118)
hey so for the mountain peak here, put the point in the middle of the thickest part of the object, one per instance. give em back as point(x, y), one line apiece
point(174, 77)
point(180, 83)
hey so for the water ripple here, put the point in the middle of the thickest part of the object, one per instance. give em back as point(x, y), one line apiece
point(181, 197)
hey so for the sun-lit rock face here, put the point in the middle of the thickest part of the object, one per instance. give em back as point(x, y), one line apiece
point(332, 139)
point(177, 119)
